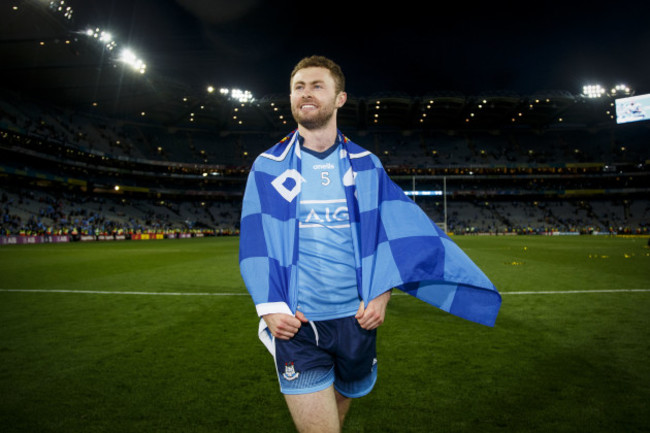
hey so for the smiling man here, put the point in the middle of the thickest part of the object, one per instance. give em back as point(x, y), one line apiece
point(325, 236)
point(317, 92)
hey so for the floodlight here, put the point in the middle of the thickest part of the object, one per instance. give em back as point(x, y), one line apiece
point(60, 7)
point(241, 95)
point(238, 95)
point(127, 56)
point(593, 91)
point(105, 37)
point(621, 90)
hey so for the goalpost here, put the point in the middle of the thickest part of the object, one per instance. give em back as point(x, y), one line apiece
point(414, 193)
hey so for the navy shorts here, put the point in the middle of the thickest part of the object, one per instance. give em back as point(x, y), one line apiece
point(328, 352)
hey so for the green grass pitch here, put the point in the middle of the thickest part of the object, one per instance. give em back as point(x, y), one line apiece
point(160, 336)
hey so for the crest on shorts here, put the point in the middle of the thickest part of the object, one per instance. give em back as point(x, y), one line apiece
point(290, 372)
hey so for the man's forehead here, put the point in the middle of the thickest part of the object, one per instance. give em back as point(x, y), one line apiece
point(312, 74)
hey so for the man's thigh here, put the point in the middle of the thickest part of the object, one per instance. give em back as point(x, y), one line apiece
point(302, 366)
point(316, 411)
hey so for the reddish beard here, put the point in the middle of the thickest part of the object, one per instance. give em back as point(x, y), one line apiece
point(314, 120)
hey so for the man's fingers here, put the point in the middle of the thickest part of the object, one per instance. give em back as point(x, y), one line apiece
point(282, 326)
point(283, 335)
point(365, 316)
point(371, 319)
point(373, 316)
point(301, 317)
point(359, 314)
point(288, 327)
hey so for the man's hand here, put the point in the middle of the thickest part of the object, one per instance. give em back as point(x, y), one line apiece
point(284, 326)
point(373, 316)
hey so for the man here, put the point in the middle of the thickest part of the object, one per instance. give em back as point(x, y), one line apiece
point(324, 241)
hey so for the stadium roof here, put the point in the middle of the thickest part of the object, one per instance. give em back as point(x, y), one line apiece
point(407, 68)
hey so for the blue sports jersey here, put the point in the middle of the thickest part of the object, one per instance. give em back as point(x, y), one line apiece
point(327, 282)
point(396, 245)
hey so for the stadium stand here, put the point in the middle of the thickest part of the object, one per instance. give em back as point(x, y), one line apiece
point(552, 162)
point(60, 169)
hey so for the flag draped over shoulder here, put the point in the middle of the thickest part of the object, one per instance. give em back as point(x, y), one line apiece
point(396, 243)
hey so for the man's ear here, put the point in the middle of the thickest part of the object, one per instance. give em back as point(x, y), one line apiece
point(341, 98)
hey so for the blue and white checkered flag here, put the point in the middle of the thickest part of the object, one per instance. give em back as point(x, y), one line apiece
point(396, 243)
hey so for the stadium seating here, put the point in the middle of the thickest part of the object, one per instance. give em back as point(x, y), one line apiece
point(61, 170)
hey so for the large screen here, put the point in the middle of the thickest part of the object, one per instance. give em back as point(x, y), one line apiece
point(633, 109)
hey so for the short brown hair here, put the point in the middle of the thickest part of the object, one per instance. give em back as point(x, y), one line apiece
point(322, 62)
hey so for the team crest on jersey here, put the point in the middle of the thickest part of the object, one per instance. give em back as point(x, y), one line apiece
point(290, 372)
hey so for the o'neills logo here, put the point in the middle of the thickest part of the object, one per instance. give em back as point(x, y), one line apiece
point(326, 166)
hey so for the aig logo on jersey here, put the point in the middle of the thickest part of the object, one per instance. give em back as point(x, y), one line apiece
point(326, 213)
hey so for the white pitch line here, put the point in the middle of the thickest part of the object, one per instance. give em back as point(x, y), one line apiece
point(568, 292)
point(106, 292)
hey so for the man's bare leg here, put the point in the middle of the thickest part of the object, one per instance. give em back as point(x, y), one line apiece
point(318, 412)
point(343, 405)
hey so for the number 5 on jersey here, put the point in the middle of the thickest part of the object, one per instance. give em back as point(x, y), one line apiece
point(325, 178)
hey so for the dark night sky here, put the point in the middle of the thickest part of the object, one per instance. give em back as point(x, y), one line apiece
point(411, 47)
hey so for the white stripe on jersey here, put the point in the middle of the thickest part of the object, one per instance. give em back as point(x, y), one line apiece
point(315, 225)
point(342, 200)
